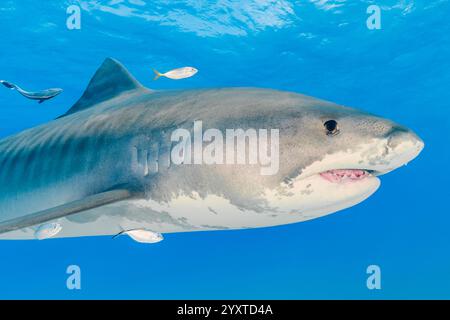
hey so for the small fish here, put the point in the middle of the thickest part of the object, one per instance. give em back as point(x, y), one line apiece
point(41, 96)
point(47, 230)
point(176, 74)
point(142, 235)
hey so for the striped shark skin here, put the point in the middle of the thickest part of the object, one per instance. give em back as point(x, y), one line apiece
point(106, 166)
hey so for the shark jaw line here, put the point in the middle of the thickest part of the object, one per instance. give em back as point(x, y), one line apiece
point(373, 159)
point(305, 198)
point(342, 179)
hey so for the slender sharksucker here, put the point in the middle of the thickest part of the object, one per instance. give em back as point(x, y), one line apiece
point(40, 96)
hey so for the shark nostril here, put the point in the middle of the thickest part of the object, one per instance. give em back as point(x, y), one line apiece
point(394, 140)
point(397, 138)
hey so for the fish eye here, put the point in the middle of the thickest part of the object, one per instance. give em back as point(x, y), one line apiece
point(332, 127)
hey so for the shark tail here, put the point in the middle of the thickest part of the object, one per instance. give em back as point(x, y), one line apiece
point(157, 74)
point(8, 84)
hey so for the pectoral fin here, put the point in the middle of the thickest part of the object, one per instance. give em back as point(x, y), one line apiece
point(90, 202)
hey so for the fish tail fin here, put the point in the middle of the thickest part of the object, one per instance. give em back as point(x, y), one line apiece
point(157, 74)
point(8, 84)
point(119, 234)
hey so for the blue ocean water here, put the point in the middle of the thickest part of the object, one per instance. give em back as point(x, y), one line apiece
point(321, 48)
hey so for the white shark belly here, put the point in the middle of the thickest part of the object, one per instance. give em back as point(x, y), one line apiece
point(292, 203)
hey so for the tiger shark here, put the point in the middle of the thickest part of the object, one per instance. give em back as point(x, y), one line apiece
point(106, 166)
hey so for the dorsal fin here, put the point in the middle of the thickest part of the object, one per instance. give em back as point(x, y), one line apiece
point(110, 80)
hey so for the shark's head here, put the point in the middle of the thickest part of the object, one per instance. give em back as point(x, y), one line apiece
point(328, 157)
point(331, 156)
point(340, 138)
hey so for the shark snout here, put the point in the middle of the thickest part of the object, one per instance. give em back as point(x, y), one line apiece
point(403, 136)
point(402, 146)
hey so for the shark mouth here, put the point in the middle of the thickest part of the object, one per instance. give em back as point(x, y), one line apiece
point(345, 175)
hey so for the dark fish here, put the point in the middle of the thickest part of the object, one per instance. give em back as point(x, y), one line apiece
point(41, 96)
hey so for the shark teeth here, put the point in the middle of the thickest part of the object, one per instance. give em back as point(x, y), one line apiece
point(340, 175)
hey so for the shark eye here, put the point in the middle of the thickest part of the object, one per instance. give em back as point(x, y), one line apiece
point(332, 127)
